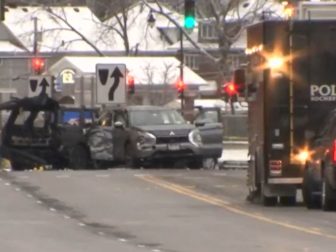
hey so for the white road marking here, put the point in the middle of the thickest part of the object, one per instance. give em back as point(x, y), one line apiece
point(102, 175)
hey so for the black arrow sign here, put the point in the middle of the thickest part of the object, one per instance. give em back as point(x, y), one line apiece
point(44, 84)
point(103, 74)
point(116, 75)
point(33, 85)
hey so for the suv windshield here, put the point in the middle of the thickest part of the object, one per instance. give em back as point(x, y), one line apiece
point(155, 117)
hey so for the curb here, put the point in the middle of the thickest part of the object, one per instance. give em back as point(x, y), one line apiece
point(227, 164)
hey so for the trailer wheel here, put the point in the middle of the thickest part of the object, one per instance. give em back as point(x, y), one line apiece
point(268, 200)
point(254, 193)
point(288, 200)
point(310, 190)
point(328, 196)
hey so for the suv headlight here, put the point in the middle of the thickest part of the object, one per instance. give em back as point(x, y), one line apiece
point(145, 138)
point(195, 137)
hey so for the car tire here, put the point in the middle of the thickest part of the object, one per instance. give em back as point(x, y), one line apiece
point(328, 196)
point(310, 190)
point(196, 163)
point(78, 157)
point(130, 160)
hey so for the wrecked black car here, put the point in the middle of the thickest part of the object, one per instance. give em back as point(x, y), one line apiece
point(40, 134)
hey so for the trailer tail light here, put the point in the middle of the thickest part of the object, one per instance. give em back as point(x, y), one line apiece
point(275, 167)
point(333, 152)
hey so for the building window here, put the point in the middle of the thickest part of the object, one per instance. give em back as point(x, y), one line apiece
point(191, 61)
point(208, 31)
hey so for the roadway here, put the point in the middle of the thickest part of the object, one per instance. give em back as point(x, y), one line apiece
point(150, 210)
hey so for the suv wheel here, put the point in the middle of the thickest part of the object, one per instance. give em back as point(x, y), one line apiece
point(78, 157)
point(196, 163)
point(130, 160)
point(210, 163)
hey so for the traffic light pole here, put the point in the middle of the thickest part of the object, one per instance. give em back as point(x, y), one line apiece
point(181, 68)
point(35, 36)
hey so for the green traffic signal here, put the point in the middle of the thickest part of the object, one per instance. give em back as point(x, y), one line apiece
point(189, 22)
point(189, 14)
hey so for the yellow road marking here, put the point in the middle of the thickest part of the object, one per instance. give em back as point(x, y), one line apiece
point(226, 205)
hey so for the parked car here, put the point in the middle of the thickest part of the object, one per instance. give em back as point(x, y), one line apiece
point(319, 183)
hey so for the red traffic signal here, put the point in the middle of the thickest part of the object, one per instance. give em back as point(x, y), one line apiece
point(230, 88)
point(37, 65)
point(180, 86)
point(130, 84)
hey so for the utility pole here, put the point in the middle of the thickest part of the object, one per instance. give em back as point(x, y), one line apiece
point(35, 36)
point(2, 10)
point(181, 67)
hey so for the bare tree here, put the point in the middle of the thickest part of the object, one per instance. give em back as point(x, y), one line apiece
point(164, 75)
point(229, 18)
point(63, 18)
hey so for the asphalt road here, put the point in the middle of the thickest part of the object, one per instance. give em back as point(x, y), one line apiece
point(150, 210)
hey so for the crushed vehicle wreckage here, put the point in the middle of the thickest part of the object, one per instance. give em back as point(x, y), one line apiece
point(39, 133)
point(35, 135)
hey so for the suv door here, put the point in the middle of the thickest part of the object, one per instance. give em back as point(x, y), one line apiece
point(209, 123)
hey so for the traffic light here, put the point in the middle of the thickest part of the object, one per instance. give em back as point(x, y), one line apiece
point(230, 92)
point(180, 86)
point(189, 14)
point(130, 84)
point(37, 64)
point(230, 89)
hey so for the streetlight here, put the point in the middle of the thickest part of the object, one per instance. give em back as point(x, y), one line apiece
point(151, 22)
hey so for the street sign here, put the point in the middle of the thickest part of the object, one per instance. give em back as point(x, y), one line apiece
point(39, 85)
point(111, 83)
